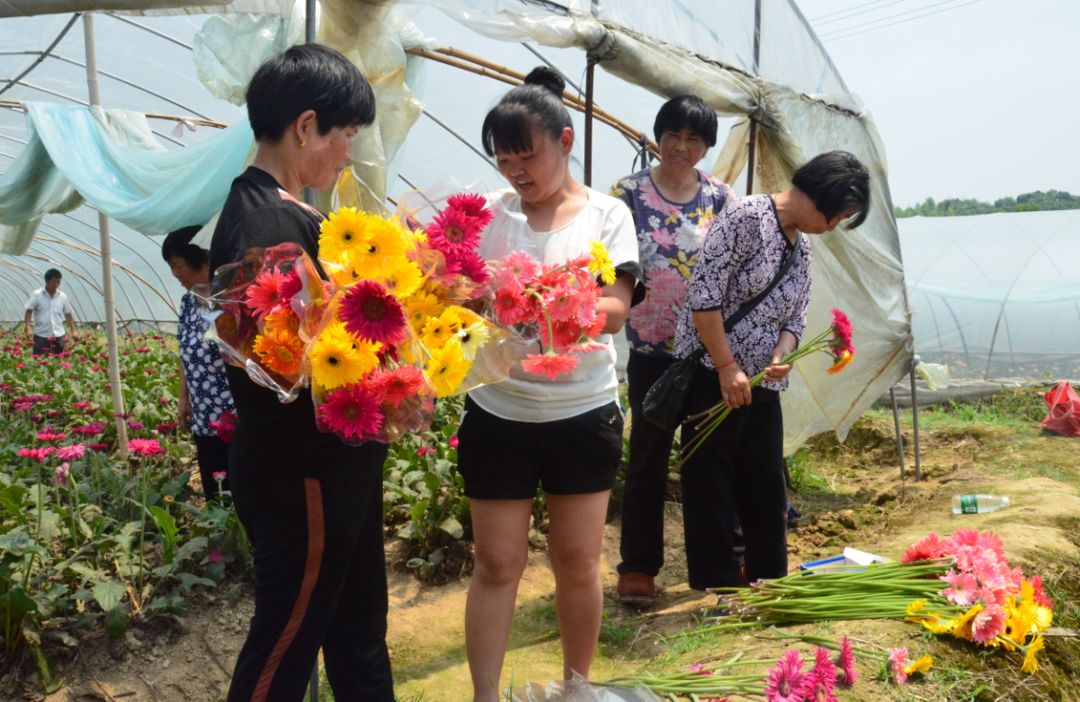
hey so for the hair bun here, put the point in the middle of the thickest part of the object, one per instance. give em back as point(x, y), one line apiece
point(546, 78)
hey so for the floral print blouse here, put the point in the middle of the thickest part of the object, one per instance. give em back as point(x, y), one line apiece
point(669, 235)
point(739, 258)
point(208, 388)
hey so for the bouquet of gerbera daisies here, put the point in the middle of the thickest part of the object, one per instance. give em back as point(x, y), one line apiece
point(268, 306)
point(554, 303)
point(397, 333)
point(834, 341)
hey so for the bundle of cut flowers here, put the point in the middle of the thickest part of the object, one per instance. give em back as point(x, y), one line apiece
point(986, 601)
point(834, 341)
point(555, 303)
point(382, 337)
point(791, 677)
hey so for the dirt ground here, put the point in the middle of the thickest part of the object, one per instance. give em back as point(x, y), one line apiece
point(856, 499)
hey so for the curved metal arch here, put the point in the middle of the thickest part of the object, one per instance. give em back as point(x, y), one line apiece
point(113, 237)
point(121, 242)
point(151, 30)
point(10, 296)
point(44, 54)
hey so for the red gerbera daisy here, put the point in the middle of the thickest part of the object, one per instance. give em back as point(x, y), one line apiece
point(550, 364)
point(371, 312)
point(351, 412)
point(394, 386)
point(266, 292)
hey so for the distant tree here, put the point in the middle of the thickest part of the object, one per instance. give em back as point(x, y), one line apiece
point(1028, 202)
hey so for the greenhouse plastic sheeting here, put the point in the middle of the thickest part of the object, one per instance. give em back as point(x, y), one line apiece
point(998, 295)
point(644, 53)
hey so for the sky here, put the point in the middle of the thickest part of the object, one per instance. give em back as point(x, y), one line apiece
point(977, 100)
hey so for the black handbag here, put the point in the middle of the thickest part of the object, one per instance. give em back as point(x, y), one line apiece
point(664, 400)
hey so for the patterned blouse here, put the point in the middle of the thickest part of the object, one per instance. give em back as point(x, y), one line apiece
point(739, 258)
point(208, 388)
point(669, 236)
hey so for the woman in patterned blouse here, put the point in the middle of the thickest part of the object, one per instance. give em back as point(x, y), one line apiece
point(673, 204)
point(738, 471)
point(204, 389)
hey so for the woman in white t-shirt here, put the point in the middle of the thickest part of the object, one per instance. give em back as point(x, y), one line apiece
point(563, 435)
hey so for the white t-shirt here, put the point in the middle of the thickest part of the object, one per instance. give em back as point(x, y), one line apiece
point(49, 313)
point(526, 397)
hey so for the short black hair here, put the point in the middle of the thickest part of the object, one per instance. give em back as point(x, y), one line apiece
point(687, 112)
point(308, 77)
point(52, 274)
point(535, 103)
point(836, 182)
point(178, 245)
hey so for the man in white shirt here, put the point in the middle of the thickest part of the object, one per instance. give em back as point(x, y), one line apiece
point(49, 307)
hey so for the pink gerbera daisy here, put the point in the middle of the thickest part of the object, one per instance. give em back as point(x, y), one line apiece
point(987, 624)
point(511, 307)
point(62, 472)
point(472, 204)
point(371, 312)
point(70, 453)
point(474, 267)
point(819, 683)
point(929, 548)
point(550, 364)
point(266, 292)
point(846, 661)
point(50, 435)
point(454, 233)
point(786, 679)
point(145, 447)
point(515, 271)
point(351, 412)
point(897, 663)
point(962, 588)
point(37, 454)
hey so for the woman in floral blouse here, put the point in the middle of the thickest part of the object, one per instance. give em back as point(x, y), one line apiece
point(204, 389)
point(739, 470)
point(673, 204)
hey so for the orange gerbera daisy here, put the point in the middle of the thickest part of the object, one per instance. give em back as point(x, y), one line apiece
point(281, 352)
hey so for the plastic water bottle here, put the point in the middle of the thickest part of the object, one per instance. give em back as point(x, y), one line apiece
point(977, 504)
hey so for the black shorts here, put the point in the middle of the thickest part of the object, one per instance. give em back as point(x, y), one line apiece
point(501, 459)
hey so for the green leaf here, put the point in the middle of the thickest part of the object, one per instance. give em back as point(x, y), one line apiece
point(116, 621)
point(167, 526)
point(49, 681)
point(189, 580)
point(191, 547)
point(108, 594)
point(452, 527)
point(18, 543)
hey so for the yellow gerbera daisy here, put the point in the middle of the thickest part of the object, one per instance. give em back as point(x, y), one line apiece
point(472, 337)
point(920, 666)
point(601, 264)
point(402, 278)
point(1030, 664)
point(962, 630)
point(383, 244)
point(340, 232)
point(437, 332)
point(1044, 617)
point(420, 308)
point(336, 361)
point(446, 369)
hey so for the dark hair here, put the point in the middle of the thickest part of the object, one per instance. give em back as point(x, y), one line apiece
point(178, 245)
point(51, 274)
point(308, 77)
point(687, 112)
point(836, 182)
point(537, 102)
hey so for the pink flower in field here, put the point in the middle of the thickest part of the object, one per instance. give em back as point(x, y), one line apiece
point(962, 588)
point(62, 472)
point(786, 679)
point(214, 555)
point(135, 426)
point(846, 661)
point(424, 450)
point(82, 405)
point(220, 475)
point(165, 427)
point(145, 447)
point(98, 447)
point(70, 453)
point(453, 441)
point(37, 454)
point(50, 435)
point(91, 429)
point(987, 624)
point(897, 663)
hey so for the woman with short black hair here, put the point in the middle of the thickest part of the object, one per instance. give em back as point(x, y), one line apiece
point(311, 505)
point(739, 470)
point(204, 389)
point(563, 435)
point(673, 204)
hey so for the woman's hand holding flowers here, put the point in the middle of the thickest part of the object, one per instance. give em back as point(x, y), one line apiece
point(734, 385)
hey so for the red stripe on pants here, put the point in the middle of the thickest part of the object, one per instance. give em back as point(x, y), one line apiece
point(316, 542)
